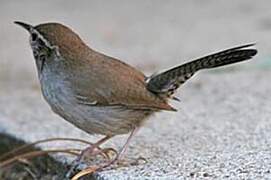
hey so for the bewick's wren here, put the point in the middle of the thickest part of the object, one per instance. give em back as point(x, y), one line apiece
point(100, 94)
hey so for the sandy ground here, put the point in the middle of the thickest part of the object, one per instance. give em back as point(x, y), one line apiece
point(222, 128)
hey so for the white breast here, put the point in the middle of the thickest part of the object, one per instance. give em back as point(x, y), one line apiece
point(108, 120)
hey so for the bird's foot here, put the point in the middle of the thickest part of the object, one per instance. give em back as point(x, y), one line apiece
point(92, 155)
point(94, 168)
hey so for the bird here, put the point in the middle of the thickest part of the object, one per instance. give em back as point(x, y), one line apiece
point(103, 95)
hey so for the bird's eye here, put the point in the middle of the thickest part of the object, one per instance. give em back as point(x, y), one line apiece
point(41, 43)
point(34, 37)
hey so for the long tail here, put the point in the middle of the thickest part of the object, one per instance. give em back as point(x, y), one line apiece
point(166, 83)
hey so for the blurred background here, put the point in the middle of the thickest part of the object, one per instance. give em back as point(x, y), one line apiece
point(151, 35)
point(223, 124)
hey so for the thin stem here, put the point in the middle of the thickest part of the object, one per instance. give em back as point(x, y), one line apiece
point(42, 141)
point(38, 153)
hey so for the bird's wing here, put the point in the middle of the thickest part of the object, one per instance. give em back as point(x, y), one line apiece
point(109, 82)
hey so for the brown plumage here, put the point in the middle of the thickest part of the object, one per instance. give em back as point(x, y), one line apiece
point(97, 72)
point(100, 94)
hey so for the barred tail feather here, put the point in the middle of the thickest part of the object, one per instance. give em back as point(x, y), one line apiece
point(167, 82)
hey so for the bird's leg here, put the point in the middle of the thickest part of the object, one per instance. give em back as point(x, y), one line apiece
point(92, 169)
point(122, 151)
point(124, 148)
point(92, 150)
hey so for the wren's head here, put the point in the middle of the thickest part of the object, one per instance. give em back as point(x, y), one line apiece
point(51, 41)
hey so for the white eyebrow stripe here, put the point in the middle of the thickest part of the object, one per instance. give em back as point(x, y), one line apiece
point(42, 38)
point(47, 43)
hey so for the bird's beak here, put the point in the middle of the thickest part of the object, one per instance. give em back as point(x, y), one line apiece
point(24, 25)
